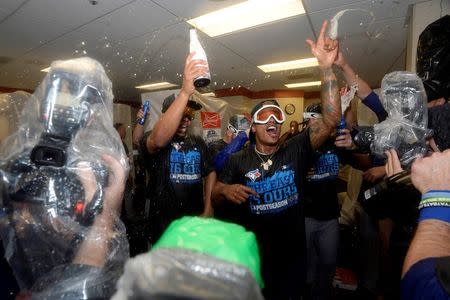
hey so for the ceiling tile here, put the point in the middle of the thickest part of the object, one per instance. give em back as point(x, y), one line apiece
point(193, 8)
point(11, 5)
point(278, 41)
point(318, 5)
point(34, 26)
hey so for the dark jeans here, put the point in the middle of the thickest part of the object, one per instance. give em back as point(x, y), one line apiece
point(322, 238)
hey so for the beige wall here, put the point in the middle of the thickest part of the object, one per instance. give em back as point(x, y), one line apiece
point(423, 14)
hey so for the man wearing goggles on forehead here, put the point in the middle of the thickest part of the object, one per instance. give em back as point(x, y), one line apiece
point(176, 160)
point(268, 179)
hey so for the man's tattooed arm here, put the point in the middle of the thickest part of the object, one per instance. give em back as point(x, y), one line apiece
point(321, 130)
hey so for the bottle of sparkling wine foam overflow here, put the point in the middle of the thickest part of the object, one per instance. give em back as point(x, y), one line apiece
point(195, 45)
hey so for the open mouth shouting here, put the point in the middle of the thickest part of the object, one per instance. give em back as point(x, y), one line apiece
point(273, 131)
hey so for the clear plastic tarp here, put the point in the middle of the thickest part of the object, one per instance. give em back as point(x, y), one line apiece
point(62, 170)
point(174, 273)
point(405, 129)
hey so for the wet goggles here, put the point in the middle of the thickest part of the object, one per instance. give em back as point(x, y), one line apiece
point(263, 115)
point(189, 113)
point(234, 130)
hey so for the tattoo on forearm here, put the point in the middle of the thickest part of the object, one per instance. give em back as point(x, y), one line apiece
point(331, 109)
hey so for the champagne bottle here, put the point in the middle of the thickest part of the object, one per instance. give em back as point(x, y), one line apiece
point(397, 180)
point(195, 45)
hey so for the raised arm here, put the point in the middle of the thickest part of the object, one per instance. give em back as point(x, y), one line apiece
point(167, 125)
point(325, 50)
point(351, 77)
point(364, 91)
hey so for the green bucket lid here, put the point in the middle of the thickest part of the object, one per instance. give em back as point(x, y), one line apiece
point(227, 241)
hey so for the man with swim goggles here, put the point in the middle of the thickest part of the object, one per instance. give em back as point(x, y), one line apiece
point(267, 181)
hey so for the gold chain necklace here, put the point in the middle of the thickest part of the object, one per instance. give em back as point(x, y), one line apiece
point(268, 163)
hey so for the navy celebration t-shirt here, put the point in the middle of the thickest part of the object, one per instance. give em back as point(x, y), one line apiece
point(175, 185)
point(276, 215)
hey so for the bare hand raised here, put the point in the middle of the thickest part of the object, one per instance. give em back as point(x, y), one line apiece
point(325, 49)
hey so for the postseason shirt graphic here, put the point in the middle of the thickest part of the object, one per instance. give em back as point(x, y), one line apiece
point(185, 166)
point(276, 192)
point(326, 167)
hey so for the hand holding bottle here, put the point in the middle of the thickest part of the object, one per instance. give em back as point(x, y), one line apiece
point(196, 48)
point(193, 69)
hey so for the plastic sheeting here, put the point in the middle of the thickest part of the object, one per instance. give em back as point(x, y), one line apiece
point(405, 129)
point(433, 58)
point(56, 185)
point(224, 240)
point(196, 258)
point(169, 273)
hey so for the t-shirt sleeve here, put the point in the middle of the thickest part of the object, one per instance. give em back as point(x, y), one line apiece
point(226, 176)
point(422, 281)
point(373, 102)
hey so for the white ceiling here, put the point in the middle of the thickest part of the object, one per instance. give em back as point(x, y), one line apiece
point(141, 41)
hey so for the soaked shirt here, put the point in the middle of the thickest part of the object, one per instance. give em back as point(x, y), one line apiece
point(175, 185)
point(276, 215)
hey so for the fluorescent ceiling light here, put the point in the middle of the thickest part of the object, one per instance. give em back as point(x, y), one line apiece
point(290, 65)
point(302, 84)
point(247, 14)
point(155, 86)
point(46, 70)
